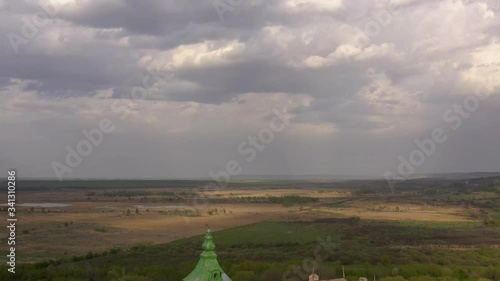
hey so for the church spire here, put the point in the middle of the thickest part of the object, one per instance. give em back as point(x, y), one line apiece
point(207, 269)
point(208, 246)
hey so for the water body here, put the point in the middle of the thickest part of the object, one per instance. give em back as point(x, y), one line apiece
point(42, 205)
point(156, 207)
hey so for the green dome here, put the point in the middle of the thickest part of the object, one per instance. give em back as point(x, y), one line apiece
point(207, 269)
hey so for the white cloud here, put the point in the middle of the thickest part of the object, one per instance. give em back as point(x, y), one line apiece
point(486, 65)
point(301, 5)
point(347, 53)
point(218, 82)
point(205, 54)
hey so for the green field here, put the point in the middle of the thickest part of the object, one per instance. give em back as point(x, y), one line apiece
point(265, 251)
point(461, 244)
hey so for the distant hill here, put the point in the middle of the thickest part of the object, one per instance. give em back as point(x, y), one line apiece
point(450, 176)
point(305, 177)
point(457, 176)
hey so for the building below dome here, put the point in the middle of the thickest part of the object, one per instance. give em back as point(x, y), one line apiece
point(315, 277)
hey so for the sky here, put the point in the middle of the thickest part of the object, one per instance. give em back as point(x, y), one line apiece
point(189, 89)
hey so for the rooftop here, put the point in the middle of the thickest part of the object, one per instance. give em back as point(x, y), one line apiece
point(208, 268)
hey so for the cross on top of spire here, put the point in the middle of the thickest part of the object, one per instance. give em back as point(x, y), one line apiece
point(208, 244)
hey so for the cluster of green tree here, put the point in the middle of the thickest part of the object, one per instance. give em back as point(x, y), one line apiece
point(119, 193)
point(221, 211)
point(194, 184)
point(181, 212)
point(88, 268)
point(479, 181)
point(266, 251)
point(491, 222)
point(363, 192)
point(288, 200)
point(132, 193)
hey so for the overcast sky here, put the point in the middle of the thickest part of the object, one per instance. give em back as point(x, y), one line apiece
point(359, 82)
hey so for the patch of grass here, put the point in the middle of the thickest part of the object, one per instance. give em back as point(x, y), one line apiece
point(101, 229)
point(268, 248)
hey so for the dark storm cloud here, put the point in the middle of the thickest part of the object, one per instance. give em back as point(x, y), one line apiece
point(259, 76)
point(142, 17)
point(165, 17)
point(163, 25)
point(344, 97)
point(5, 82)
point(78, 73)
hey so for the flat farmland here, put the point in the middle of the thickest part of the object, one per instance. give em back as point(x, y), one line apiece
point(64, 223)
